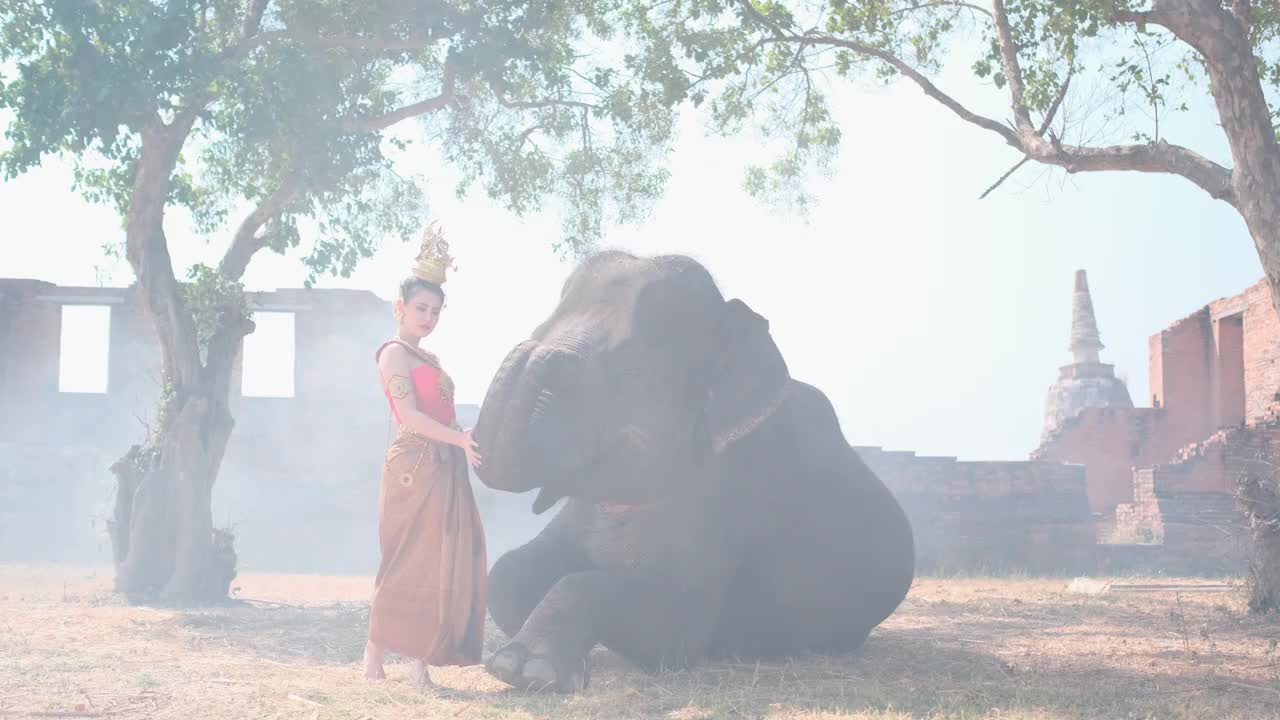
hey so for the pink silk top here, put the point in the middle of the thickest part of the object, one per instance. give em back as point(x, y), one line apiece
point(432, 386)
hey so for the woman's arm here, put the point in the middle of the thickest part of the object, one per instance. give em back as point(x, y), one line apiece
point(395, 366)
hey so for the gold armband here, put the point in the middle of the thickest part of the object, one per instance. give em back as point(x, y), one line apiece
point(398, 387)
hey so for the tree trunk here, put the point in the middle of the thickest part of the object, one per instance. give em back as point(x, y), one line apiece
point(1264, 572)
point(164, 542)
point(165, 546)
point(1256, 155)
point(1259, 497)
point(1222, 38)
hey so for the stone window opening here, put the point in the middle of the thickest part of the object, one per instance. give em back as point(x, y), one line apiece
point(268, 358)
point(84, 349)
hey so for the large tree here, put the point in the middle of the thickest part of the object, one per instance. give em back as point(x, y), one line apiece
point(269, 121)
point(1160, 56)
point(766, 59)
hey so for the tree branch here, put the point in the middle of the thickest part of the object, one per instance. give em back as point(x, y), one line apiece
point(537, 104)
point(382, 122)
point(1136, 17)
point(341, 42)
point(1006, 176)
point(1158, 157)
point(750, 10)
point(943, 3)
point(1195, 22)
point(1057, 103)
point(247, 241)
point(253, 18)
point(1012, 68)
point(816, 38)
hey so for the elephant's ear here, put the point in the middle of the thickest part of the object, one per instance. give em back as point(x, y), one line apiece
point(749, 378)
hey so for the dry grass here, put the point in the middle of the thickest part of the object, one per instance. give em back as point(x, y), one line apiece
point(959, 648)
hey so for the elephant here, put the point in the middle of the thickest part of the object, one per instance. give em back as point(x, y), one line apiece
point(712, 507)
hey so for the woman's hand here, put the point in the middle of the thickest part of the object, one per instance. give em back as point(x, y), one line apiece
point(470, 447)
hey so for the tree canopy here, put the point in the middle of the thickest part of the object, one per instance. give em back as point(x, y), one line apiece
point(283, 107)
point(769, 62)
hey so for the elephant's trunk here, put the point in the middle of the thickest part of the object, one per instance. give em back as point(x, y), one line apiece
point(508, 398)
point(521, 436)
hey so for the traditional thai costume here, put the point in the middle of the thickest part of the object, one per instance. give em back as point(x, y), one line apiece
point(430, 593)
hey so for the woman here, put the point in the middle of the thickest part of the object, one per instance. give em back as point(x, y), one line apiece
point(430, 594)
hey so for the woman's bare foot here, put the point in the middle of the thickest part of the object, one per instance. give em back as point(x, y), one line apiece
point(422, 676)
point(373, 662)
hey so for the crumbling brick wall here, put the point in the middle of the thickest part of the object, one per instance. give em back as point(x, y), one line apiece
point(991, 516)
point(1189, 506)
point(1109, 442)
point(1261, 328)
point(1185, 355)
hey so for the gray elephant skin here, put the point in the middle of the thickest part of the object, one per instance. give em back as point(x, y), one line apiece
point(713, 507)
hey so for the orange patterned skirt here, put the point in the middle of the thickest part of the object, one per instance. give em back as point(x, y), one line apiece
point(430, 594)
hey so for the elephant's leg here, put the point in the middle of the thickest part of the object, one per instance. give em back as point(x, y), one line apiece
point(521, 578)
point(644, 619)
point(832, 572)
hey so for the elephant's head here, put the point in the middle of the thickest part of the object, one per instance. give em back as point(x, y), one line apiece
point(642, 371)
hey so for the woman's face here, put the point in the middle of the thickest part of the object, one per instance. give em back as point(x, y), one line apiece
point(421, 312)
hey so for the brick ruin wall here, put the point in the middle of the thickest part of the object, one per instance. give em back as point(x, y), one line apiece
point(991, 516)
point(1261, 357)
point(299, 483)
point(1217, 368)
point(1189, 504)
point(1109, 442)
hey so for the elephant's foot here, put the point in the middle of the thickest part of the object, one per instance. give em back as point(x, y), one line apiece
point(540, 669)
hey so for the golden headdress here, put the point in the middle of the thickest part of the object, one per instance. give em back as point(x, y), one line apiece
point(433, 259)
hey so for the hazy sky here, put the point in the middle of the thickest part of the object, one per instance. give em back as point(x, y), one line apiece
point(934, 321)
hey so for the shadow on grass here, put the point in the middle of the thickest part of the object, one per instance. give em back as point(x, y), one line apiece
point(929, 671)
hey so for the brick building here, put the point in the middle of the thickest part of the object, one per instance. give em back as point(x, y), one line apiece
point(1155, 484)
point(1167, 473)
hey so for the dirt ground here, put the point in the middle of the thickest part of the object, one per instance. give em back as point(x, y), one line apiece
point(1009, 648)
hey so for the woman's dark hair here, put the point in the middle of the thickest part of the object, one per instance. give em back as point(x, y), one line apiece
point(412, 284)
